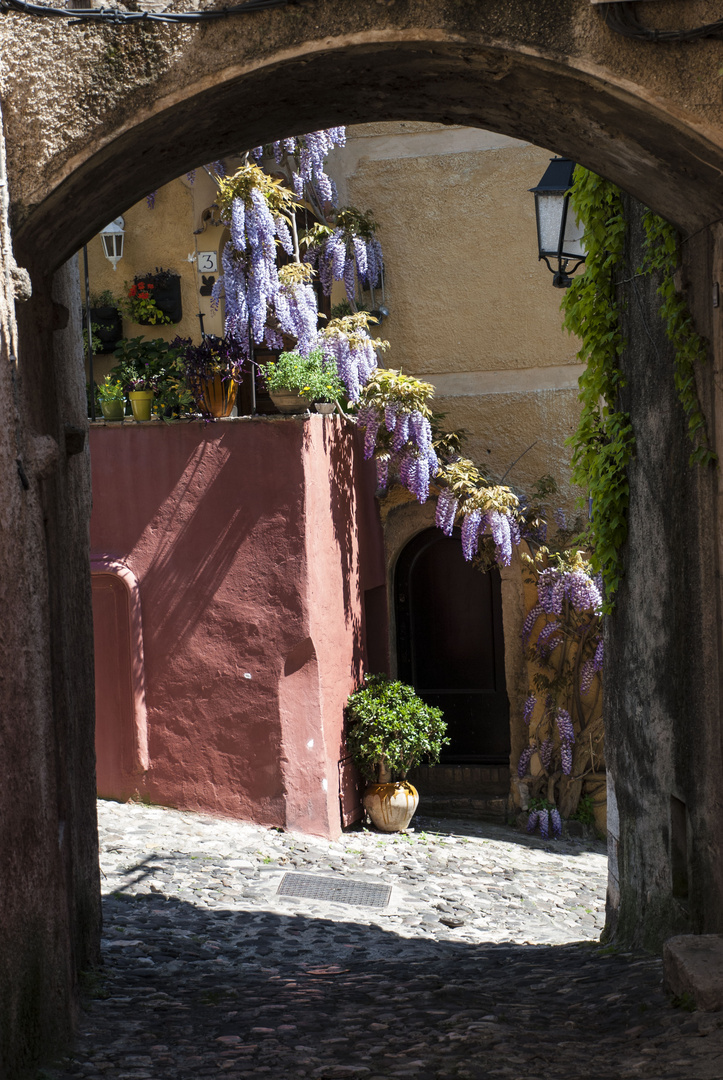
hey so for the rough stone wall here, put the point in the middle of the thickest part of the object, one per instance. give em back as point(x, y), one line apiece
point(49, 900)
point(662, 670)
point(97, 114)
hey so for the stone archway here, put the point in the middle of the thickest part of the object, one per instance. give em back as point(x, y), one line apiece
point(145, 103)
point(94, 118)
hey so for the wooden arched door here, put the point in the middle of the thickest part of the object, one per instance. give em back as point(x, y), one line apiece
point(450, 646)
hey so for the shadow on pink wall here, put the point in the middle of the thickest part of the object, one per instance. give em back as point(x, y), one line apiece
point(252, 542)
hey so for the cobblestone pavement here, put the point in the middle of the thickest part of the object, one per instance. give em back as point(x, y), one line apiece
point(485, 963)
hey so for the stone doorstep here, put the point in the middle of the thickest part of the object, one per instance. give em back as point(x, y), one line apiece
point(693, 964)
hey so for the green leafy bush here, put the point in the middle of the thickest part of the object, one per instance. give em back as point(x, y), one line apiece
point(312, 377)
point(387, 724)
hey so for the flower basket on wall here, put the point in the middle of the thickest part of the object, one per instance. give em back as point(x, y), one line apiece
point(154, 299)
point(107, 327)
point(168, 295)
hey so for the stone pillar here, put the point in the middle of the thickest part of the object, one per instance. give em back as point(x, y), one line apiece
point(662, 672)
point(49, 899)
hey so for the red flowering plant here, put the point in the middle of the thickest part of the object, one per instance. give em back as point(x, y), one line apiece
point(140, 305)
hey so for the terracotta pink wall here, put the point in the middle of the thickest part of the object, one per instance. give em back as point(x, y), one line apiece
point(252, 541)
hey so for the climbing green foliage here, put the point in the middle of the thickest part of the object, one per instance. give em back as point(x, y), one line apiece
point(604, 441)
point(661, 254)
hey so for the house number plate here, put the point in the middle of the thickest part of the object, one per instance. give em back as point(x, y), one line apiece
point(207, 262)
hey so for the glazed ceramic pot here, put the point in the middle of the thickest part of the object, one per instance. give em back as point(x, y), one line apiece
point(219, 396)
point(391, 806)
point(113, 410)
point(141, 403)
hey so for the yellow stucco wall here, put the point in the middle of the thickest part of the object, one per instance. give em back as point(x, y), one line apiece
point(472, 310)
point(163, 236)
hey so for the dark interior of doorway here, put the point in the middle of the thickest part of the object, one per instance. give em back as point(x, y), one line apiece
point(450, 645)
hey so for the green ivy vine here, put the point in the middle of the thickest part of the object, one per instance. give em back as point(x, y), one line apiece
point(604, 440)
point(661, 254)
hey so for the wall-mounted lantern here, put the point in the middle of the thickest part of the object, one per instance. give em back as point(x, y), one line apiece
point(559, 235)
point(112, 239)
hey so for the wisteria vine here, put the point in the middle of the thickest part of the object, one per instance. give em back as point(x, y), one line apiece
point(563, 637)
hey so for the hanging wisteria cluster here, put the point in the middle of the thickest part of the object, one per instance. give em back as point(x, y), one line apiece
point(395, 415)
point(305, 157)
point(256, 209)
point(346, 250)
point(342, 245)
point(482, 510)
point(296, 308)
point(547, 819)
point(563, 635)
point(347, 341)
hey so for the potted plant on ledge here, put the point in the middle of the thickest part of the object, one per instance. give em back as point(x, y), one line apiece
point(212, 373)
point(295, 381)
point(389, 731)
point(111, 398)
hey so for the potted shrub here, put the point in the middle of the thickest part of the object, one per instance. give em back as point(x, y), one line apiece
point(389, 731)
point(106, 322)
point(292, 379)
point(154, 366)
point(212, 372)
point(111, 398)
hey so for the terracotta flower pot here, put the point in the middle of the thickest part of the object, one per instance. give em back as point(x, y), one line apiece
point(391, 806)
point(113, 410)
point(219, 396)
point(141, 403)
point(288, 402)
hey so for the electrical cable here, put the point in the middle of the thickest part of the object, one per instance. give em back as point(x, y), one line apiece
point(622, 18)
point(115, 15)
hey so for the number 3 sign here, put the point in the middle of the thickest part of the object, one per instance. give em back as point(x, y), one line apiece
point(207, 262)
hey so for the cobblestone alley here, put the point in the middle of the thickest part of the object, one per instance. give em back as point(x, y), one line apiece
point(485, 962)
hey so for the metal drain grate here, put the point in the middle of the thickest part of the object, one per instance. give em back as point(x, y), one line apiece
point(312, 887)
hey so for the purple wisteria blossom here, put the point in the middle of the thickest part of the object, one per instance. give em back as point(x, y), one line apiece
point(544, 820)
point(529, 708)
point(566, 757)
point(446, 513)
point(499, 525)
point(556, 821)
point(296, 309)
point(564, 726)
point(546, 754)
point(532, 820)
point(471, 523)
point(524, 761)
point(532, 616)
point(598, 657)
point(548, 638)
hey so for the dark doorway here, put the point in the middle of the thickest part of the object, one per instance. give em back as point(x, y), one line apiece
point(450, 646)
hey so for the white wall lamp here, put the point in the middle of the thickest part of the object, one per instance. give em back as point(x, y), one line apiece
point(559, 235)
point(112, 239)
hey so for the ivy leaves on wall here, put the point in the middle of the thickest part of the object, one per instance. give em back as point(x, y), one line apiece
point(661, 254)
point(604, 441)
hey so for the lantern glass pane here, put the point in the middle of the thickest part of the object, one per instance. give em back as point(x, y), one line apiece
point(549, 219)
point(572, 242)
